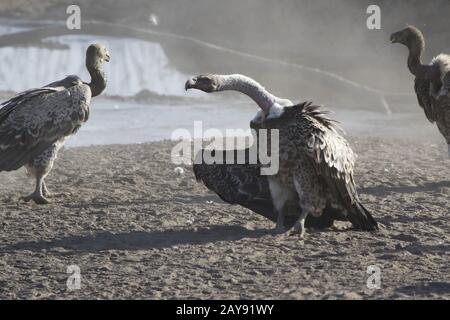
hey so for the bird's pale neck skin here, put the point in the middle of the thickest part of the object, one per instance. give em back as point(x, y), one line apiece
point(263, 98)
point(415, 65)
point(98, 76)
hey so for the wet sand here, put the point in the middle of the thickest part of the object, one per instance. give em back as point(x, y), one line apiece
point(139, 230)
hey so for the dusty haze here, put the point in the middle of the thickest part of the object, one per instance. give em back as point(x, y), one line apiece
point(140, 228)
point(329, 35)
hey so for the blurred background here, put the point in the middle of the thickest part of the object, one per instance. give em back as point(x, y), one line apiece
point(318, 50)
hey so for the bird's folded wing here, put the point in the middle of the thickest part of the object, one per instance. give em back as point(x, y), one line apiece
point(422, 89)
point(33, 120)
point(334, 161)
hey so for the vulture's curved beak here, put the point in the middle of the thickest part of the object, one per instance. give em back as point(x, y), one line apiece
point(190, 84)
point(107, 57)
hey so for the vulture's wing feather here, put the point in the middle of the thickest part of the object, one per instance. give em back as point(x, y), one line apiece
point(422, 89)
point(67, 82)
point(442, 110)
point(238, 184)
point(243, 184)
point(441, 103)
point(334, 160)
point(35, 119)
point(9, 105)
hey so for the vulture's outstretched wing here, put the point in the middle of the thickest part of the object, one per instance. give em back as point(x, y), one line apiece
point(334, 160)
point(243, 184)
point(35, 119)
point(422, 89)
point(238, 184)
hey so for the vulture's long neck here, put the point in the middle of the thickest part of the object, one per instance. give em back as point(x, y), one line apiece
point(415, 65)
point(98, 77)
point(237, 82)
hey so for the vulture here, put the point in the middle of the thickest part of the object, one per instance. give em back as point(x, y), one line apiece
point(243, 184)
point(315, 175)
point(432, 81)
point(35, 123)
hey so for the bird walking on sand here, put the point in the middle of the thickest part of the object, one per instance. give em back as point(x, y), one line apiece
point(315, 161)
point(432, 81)
point(35, 123)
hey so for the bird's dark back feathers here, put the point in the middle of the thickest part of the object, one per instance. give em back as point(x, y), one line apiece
point(305, 109)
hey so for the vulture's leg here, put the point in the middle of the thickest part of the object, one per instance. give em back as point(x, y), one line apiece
point(310, 194)
point(280, 197)
point(45, 191)
point(280, 227)
point(40, 167)
point(37, 196)
point(299, 227)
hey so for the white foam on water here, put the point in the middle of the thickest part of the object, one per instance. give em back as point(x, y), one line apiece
point(135, 66)
point(11, 28)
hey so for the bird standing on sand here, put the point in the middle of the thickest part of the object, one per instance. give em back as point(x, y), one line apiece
point(35, 124)
point(315, 161)
point(432, 81)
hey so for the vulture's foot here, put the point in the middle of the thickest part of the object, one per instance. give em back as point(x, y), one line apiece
point(36, 197)
point(299, 228)
point(46, 193)
point(279, 229)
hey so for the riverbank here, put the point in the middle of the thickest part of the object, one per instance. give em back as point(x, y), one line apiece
point(138, 229)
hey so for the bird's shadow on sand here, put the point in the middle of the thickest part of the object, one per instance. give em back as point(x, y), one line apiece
point(438, 288)
point(427, 187)
point(138, 240)
point(107, 203)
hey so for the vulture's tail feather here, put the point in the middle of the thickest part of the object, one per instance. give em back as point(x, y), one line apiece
point(361, 218)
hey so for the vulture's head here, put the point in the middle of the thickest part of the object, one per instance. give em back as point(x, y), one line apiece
point(205, 82)
point(407, 36)
point(96, 54)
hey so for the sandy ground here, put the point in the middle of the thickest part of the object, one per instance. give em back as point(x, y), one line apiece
point(137, 229)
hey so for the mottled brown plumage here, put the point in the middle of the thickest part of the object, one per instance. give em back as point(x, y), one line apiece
point(243, 184)
point(316, 162)
point(35, 123)
point(432, 82)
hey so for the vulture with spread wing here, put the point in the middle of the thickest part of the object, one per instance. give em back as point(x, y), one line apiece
point(315, 161)
point(243, 184)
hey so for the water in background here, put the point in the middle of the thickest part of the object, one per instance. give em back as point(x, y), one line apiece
point(138, 65)
point(123, 122)
point(135, 65)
